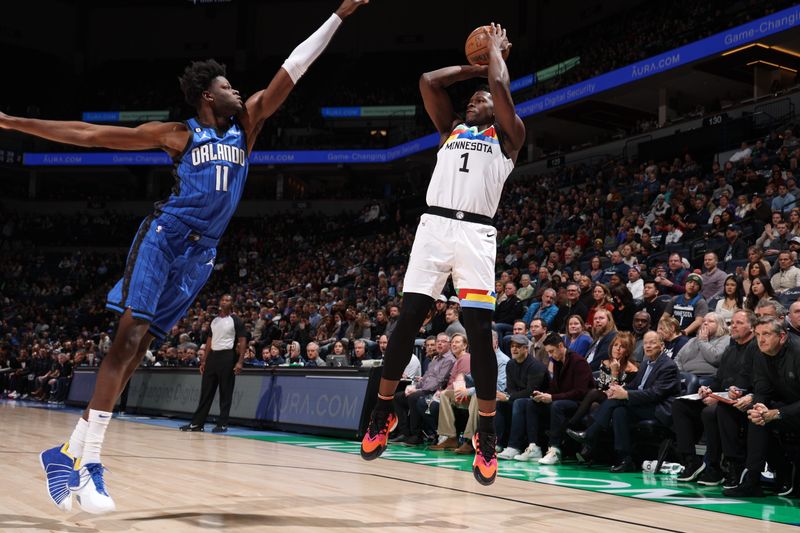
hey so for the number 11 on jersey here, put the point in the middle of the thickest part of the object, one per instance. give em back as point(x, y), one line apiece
point(222, 178)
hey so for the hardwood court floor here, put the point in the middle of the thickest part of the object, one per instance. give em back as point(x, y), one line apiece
point(164, 480)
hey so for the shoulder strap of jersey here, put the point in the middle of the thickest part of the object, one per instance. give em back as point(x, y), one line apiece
point(500, 136)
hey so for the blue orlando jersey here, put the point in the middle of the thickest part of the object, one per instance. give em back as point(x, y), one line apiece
point(209, 179)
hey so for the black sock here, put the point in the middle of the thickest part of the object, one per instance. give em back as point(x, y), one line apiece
point(485, 424)
point(384, 406)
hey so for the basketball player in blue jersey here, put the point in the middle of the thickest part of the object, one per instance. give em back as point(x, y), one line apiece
point(456, 237)
point(173, 252)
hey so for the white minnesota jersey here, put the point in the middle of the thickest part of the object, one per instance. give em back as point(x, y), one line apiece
point(470, 172)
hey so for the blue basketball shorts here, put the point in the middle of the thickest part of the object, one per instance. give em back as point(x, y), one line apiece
point(164, 272)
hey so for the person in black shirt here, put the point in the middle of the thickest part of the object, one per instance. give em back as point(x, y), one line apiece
point(720, 423)
point(224, 358)
point(650, 302)
point(774, 408)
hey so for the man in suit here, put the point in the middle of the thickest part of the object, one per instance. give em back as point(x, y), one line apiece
point(646, 397)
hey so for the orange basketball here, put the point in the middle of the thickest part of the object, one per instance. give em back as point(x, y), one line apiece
point(477, 46)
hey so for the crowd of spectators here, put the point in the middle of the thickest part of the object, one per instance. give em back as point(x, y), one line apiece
point(621, 38)
point(617, 266)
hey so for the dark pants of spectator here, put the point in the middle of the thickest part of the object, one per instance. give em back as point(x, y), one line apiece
point(19, 383)
point(560, 411)
point(408, 416)
point(218, 373)
point(691, 420)
point(732, 425)
point(502, 421)
point(525, 415)
point(592, 397)
point(61, 389)
point(622, 415)
point(763, 444)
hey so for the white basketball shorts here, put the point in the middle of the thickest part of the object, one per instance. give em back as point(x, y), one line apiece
point(444, 246)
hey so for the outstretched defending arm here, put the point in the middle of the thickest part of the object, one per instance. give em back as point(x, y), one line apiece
point(437, 102)
point(264, 103)
point(168, 136)
point(499, 85)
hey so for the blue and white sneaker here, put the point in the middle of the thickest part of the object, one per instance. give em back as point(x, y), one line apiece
point(58, 465)
point(90, 489)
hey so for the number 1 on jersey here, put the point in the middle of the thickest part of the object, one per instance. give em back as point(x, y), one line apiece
point(465, 157)
point(222, 178)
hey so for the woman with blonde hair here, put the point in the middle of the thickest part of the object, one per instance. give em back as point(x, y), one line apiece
point(702, 354)
point(669, 330)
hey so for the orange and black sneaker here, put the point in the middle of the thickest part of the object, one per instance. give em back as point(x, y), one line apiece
point(484, 467)
point(375, 440)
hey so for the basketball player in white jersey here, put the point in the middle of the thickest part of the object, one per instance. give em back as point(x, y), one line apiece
point(456, 236)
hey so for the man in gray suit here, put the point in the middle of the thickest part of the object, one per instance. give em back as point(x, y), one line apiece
point(648, 396)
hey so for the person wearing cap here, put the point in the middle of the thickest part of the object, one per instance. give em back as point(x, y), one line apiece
point(524, 374)
point(635, 283)
point(735, 248)
point(438, 323)
point(689, 308)
point(713, 277)
point(760, 209)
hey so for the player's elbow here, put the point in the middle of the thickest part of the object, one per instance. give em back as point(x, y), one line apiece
point(427, 81)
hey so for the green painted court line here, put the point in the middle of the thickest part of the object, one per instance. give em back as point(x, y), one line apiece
point(656, 488)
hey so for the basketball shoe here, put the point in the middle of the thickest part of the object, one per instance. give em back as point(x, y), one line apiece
point(375, 440)
point(484, 467)
point(90, 489)
point(57, 464)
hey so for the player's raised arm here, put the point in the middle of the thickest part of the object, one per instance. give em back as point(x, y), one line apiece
point(265, 102)
point(168, 136)
point(437, 102)
point(499, 85)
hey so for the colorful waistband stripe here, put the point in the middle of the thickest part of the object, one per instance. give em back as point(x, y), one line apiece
point(477, 298)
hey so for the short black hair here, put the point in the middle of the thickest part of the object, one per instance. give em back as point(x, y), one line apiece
point(553, 339)
point(484, 88)
point(197, 77)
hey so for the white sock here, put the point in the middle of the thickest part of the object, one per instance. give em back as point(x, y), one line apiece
point(75, 448)
point(95, 432)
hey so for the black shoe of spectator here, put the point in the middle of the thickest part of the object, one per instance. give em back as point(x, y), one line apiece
point(734, 475)
point(398, 438)
point(219, 429)
point(785, 483)
point(413, 440)
point(693, 466)
point(748, 488)
point(579, 436)
point(192, 427)
point(585, 455)
point(626, 465)
point(711, 477)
